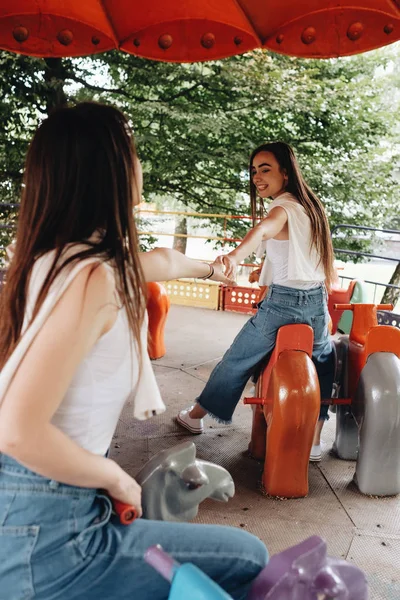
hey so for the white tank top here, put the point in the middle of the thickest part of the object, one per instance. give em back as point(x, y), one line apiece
point(297, 264)
point(105, 379)
point(278, 256)
point(90, 409)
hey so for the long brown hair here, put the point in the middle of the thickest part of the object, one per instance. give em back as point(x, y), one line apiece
point(296, 185)
point(80, 177)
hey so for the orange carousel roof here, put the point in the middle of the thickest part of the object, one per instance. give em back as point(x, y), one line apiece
point(196, 30)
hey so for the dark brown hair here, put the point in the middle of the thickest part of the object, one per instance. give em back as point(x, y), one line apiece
point(296, 185)
point(79, 178)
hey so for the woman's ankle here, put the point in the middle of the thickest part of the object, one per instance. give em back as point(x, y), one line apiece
point(317, 432)
point(197, 412)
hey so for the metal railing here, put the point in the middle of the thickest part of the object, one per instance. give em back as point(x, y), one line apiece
point(374, 283)
point(364, 228)
point(140, 210)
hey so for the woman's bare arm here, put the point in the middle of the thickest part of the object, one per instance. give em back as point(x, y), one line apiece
point(85, 312)
point(163, 264)
point(265, 230)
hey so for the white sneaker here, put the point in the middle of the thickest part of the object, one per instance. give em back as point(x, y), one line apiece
point(193, 425)
point(316, 452)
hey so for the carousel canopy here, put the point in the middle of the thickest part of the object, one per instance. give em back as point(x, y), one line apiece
point(196, 30)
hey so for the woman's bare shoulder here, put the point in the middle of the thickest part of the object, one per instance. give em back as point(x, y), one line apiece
point(91, 292)
point(286, 197)
point(98, 277)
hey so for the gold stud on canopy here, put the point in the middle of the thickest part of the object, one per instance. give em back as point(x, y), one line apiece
point(20, 34)
point(65, 37)
point(355, 31)
point(309, 35)
point(165, 41)
point(208, 40)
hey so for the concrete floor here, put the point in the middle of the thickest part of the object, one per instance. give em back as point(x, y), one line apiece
point(364, 530)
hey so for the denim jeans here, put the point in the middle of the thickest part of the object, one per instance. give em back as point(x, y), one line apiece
point(59, 542)
point(253, 345)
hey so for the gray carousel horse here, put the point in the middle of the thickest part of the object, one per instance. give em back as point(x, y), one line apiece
point(174, 483)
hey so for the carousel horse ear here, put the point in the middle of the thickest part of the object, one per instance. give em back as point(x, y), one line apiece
point(305, 571)
point(174, 459)
point(180, 456)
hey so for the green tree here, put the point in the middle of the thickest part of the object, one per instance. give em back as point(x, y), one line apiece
point(195, 125)
point(30, 88)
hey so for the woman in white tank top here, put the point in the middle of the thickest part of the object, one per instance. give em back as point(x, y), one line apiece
point(77, 271)
point(299, 261)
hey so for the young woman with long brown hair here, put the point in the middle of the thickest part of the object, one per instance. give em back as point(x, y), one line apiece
point(298, 270)
point(58, 538)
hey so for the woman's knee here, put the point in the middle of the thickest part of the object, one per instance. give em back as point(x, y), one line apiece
point(257, 552)
point(242, 549)
point(247, 546)
point(249, 562)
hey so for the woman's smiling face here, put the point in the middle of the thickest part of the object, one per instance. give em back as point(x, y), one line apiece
point(267, 175)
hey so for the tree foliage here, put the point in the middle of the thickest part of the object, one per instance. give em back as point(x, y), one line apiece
point(195, 125)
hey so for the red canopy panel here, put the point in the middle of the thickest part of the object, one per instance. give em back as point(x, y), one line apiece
point(195, 30)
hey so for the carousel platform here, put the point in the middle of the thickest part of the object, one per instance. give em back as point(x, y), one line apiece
point(362, 529)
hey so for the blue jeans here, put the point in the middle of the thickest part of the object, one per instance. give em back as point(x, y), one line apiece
point(253, 345)
point(59, 542)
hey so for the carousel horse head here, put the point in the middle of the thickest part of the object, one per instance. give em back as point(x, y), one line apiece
point(305, 572)
point(174, 483)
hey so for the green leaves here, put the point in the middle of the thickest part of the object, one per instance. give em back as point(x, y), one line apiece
point(196, 124)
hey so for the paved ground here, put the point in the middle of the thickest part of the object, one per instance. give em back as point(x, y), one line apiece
point(361, 529)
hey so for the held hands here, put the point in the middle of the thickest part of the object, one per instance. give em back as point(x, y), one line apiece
point(224, 270)
point(230, 265)
point(221, 273)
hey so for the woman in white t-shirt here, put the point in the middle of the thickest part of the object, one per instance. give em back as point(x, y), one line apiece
point(298, 269)
point(58, 537)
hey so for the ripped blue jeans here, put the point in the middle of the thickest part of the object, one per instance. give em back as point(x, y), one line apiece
point(256, 340)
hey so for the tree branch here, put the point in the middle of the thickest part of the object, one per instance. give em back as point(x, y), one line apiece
point(187, 194)
point(125, 94)
point(99, 88)
point(184, 92)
